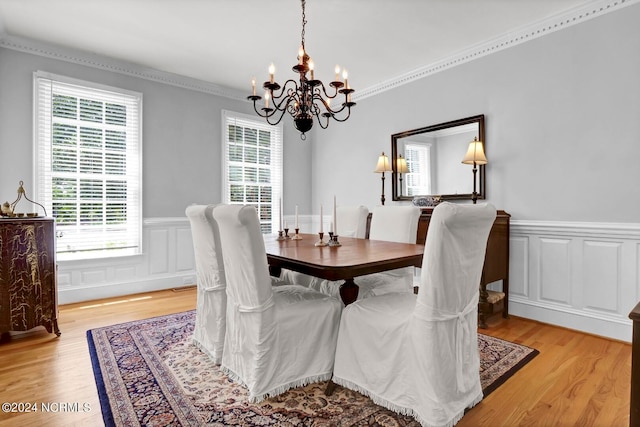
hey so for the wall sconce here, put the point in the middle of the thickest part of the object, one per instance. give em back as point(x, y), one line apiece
point(382, 167)
point(401, 167)
point(475, 156)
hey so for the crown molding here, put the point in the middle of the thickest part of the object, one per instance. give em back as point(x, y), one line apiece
point(513, 38)
point(117, 66)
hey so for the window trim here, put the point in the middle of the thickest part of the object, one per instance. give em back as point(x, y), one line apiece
point(277, 188)
point(42, 177)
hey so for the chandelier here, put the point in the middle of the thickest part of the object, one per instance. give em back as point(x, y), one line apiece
point(305, 100)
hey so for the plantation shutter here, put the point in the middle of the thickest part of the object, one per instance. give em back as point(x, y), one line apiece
point(252, 166)
point(88, 165)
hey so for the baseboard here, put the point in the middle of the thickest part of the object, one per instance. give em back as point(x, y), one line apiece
point(112, 290)
point(579, 320)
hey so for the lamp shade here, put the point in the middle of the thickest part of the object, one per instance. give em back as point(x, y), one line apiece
point(383, 164)
point(475, 153)
point(401, 165)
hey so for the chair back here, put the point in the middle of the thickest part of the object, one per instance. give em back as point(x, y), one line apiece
point(395, 223)
point(454, 256)
point(206, 246)
point(352, 221)
point(211, 304)
point(245, 257)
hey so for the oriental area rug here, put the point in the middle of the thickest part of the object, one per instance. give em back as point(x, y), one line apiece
point(149, 373)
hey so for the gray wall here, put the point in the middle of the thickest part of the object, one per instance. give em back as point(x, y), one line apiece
point(563, 125)
point(181, 131)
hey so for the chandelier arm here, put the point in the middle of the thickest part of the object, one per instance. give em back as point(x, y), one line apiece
point(344, 119)
point(273, 114)
point(281, 103)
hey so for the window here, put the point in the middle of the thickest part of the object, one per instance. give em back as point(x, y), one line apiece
point(252, 166)
point(418, 178)
point(88, 165)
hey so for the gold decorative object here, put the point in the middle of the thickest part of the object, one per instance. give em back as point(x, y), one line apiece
point(10, 209)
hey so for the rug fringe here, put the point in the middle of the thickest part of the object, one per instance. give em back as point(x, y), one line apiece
point(257, 398)
point(403, 410)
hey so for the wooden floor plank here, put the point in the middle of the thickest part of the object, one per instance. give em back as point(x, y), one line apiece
point(577, 379)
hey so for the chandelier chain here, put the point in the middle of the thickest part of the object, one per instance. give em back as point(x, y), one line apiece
point(304, 21)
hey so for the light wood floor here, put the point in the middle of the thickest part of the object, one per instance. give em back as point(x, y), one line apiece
point(577, 380)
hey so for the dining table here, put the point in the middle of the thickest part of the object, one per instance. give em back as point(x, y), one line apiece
point(352, 258)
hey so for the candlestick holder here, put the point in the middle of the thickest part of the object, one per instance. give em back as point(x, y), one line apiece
point(297, 236)
point(320, 242)
point(286, 233)
point(333, 240)
point(281, 235)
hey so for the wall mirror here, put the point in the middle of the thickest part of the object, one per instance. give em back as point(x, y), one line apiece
point(433, 157)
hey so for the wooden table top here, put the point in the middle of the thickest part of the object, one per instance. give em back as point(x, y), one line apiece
point(355, 257)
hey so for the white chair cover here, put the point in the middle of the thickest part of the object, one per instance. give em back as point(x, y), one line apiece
point(352, 221)
point(277, 337)
point(418, 355)
point(211, 304)
point(393, 224)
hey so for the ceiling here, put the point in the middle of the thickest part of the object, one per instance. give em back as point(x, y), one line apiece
point(227, 42)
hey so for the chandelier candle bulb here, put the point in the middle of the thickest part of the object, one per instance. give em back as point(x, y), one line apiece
point(300, 56)
point(253, 86)
point(311, 68)
point(266, 99)
point(272, 72)
point(337, 73)
point(345, 74)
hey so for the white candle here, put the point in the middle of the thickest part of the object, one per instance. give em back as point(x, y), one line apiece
point(281, 214)
point(321, 218)
point(335, 225)
point(296, 216)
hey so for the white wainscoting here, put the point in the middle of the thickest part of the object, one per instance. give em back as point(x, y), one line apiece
point(582, 276)
point(167, 262)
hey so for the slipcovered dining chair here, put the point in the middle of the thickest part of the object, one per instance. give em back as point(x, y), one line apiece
point(352, 221)
point(278, 337)
point(392, 224)
point(211, 303)
point(418, 354)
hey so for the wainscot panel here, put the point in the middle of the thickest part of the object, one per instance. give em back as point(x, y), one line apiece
point(166, 262)
point(582, 276)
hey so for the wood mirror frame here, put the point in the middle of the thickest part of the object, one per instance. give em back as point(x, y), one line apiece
point(434, 129)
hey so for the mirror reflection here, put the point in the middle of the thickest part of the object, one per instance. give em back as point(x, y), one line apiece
point(428, 161)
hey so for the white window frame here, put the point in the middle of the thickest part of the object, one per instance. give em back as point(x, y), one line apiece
point(275, 167)
point(101, 233)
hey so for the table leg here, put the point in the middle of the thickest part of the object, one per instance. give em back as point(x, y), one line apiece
point(349, 291)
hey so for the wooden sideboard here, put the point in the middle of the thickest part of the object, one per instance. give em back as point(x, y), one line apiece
point(28, 286)
point(496, 264)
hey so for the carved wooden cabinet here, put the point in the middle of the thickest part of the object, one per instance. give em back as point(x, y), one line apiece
point(28, 287)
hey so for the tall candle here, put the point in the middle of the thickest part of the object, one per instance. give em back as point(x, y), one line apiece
point(321, 218)
point(335, 225)
point(281, 214)
point(296, 216)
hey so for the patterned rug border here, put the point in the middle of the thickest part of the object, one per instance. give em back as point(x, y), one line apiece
point(107, 412)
